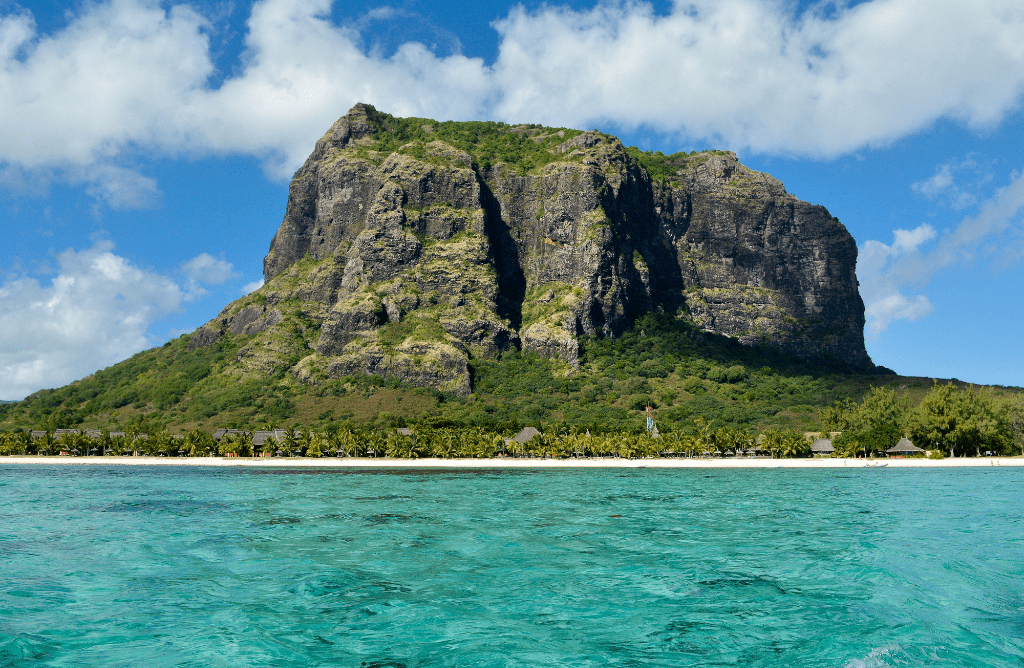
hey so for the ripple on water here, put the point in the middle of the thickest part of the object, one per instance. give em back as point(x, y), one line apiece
point(431, 567)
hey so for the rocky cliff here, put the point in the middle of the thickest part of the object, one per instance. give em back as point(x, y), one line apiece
point(410, 247)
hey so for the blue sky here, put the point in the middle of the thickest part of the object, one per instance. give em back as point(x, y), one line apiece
point(145, 147)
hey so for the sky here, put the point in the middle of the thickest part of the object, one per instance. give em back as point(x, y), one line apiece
point(146, 147)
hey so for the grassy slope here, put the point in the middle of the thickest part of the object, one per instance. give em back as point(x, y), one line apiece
point(683, 372)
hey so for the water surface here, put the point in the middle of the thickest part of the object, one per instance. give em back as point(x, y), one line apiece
point(167, 566)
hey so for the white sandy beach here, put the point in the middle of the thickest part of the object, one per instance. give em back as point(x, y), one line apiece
point(509, 463)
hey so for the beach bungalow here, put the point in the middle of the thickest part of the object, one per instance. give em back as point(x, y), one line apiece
point(904, 448)
point(260, 438)
point(822, 447)
point(37, 433)
point(524, 436)
point(221, 433)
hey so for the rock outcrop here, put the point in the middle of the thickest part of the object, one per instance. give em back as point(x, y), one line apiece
point(409, 247)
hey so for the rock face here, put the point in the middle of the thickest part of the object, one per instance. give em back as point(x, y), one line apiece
point(409, 247)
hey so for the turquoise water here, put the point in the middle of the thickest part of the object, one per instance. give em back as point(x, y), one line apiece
point(166, 566)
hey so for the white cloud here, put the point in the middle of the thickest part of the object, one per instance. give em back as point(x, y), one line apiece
point(128, 74)
point(908, 241)
point(882, 284)
point(937, 184)
point(95, 312)
point(955, 183)
point(887, 272)
point(120, 188)
point(755, 75)
point(204, 269)
point(252, 287)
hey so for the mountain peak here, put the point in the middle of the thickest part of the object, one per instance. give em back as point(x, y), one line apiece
point(411, 246)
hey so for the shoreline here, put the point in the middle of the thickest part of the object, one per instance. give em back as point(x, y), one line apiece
point(510, 463)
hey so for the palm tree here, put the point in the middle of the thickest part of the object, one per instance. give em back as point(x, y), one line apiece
point(375, 443)
point(627, 446)
point(14, 443)
point(317, 445)
point(304, 439)
point(165, 442)
point(395, 446)
point(704, 430)
point(344, 442)
point(197, 443)
point(69, 442)
point(46, 443)
point(484, 445)
point(794, 444)
point(772, 441)
point(448, 443)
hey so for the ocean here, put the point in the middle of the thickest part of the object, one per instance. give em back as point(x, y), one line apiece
point(402, 568)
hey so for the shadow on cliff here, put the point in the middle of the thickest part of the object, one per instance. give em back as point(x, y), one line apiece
point(655, 279)
point(511, 279)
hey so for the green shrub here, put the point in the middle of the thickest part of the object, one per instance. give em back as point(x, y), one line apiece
point(637, 385)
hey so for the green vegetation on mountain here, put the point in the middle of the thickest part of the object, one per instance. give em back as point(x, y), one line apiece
point(695, 381)
point(527, 147)
point(662, 167)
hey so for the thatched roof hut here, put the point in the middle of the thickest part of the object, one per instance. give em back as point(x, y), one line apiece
point(261, 437)
point(224, 433)
point(904, 447)
point(525, 435)
point(822, 446)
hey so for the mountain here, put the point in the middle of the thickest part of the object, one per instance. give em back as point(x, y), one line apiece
point(410, 247)
point(483, 274)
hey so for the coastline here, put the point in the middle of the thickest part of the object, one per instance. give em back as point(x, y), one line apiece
point(510, 463)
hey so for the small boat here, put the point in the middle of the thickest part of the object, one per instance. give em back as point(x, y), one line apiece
point(871, 464)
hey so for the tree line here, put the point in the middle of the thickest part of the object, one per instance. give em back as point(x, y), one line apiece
point(960, 422)
point(425, 442)
point(951, 421)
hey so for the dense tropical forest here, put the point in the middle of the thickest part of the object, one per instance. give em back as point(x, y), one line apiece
point(708, 393)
